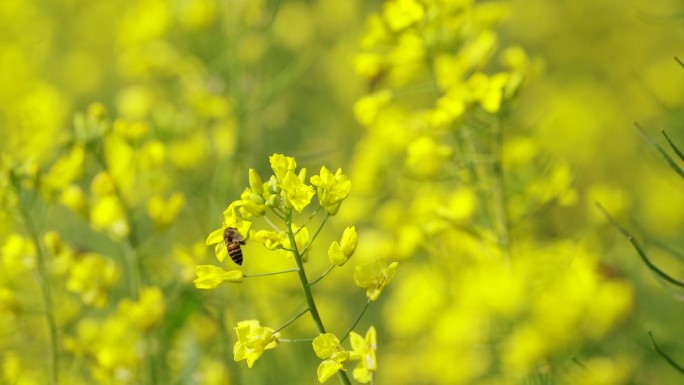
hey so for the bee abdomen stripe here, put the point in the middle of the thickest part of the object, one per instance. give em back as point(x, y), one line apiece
point(235, 253)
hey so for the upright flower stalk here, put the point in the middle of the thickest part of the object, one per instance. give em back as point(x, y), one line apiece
point(313, 310)
point(284, 196)
point(43, 279)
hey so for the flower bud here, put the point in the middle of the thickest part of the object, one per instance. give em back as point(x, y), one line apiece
point(255, 182)
point(274, 185)
point(273, 201)
point(74, 198)
point(339, 253)
point(332, 210)
point(97, 111)
point(258, 199)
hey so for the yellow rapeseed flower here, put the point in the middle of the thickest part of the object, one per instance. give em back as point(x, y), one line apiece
point(400, 14)
point(365, 347)
point(211, 277)
point(281, 165)
point(164, 212)
point(230, 219)
point(374, 277)
point(253, 340)
point(296, 193)
point(147, 311)
point(328, 348)
point(340, 252)
point(332, 189)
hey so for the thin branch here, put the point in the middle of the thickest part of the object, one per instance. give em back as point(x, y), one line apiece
point(667, 358)
point(679, 61)
point(308, 220)
point(293, 319)
point(322, 276)
point(640, 250)
point(271, 273)
point(320, 227)
point(268, 220)
point(662, 151)
point(44, 283)
point(674, 147)
point(357, 320)
point(295, 340)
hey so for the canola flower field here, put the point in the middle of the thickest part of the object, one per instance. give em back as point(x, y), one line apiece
point(357, 192)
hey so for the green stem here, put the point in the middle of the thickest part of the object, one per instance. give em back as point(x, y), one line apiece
point(499, 196)
point(128, 248)
point(357, 321)
point(322, 276)
point(223, 332)
point(313, 310)
point(277, 214)
point(132, 267)
point(295, 340)
point(131, 257)
point(303, 279)
point(308, 220)
point(667, 358)
point(320, 227)
point(271, 273)
point(291, 320)
point(44, 283)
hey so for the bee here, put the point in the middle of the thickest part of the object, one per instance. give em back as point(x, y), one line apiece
point(233, 239)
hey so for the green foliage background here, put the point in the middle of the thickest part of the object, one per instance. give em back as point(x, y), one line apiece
point(200, 91)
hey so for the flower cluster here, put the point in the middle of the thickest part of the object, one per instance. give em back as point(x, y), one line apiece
point(285, 190)
point(282, 197)
point(328, 348)
point(440, 83)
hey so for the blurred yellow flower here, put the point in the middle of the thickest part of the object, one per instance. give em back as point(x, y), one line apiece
point(374, 277)
point(400, 14)
point(74, 198)
point(147, 311)
point(164, 212)
point(91, 275)
point(108, 214)
point(66, 169)
point(102, 184)
point(367, 108)
point(425, 157)
point(18, 255)
point(488, 90)
point(368, 64)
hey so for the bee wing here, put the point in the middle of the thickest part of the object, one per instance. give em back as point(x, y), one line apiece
point(221, 251)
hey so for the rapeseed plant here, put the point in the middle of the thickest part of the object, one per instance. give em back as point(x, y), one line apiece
point(435, 117)
point(282, 197)
point(470, 169)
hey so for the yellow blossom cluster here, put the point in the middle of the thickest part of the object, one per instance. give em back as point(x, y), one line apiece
point(485, 298)
point(479, 136)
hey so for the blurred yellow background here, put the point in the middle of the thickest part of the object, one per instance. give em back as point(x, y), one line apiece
point(478, 137)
